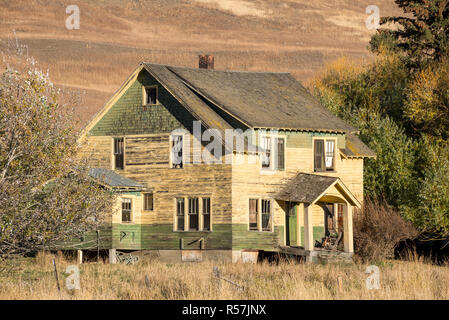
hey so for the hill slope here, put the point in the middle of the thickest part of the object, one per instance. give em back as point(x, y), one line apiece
point(296, 36)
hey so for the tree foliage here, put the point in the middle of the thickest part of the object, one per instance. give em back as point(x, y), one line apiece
point(410, 171)
point(421, 34)
point(45, 192)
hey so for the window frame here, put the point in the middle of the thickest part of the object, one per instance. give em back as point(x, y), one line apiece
point(192, 212)
point(131, 215)
point(274, 153)
point(144, 201)
point(270, 213)
point(171, 150)
point(114, 161)
point(259, 200)
point(334, 159)
point(145, 95)
point(187, 214)
point(208, 214)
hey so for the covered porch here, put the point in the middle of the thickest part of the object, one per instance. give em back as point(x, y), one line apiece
point(306, 197)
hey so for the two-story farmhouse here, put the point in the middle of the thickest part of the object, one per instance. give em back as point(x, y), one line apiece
point(188, 191)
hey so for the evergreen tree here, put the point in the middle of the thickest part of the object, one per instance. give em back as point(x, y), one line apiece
point(422, 34)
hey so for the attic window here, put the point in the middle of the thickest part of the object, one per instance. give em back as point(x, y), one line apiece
point(150, 95)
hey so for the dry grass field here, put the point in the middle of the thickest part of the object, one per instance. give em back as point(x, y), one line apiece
point(33, 278)
point(297, 36)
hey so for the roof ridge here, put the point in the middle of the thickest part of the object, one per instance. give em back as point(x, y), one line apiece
point(214, 70)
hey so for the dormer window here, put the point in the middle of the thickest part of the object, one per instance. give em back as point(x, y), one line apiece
point(150, 95)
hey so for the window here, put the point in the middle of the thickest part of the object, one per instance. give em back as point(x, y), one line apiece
point(280, 153)
point(126, 210)
point(148, 201)
point(330, 146)
point(266, 156)
point(150, 95)
point(274, 155)
point(180, 214)
point(206, 214)
point(193, 214)
point(324, 155)
point(266, 215)
point(119, 153)
point(253, 213)
point(177, 146)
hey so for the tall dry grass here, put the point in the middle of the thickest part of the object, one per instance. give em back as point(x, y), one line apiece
point(33, 278)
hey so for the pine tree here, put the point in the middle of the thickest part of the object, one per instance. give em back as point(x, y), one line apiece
point(422, 33)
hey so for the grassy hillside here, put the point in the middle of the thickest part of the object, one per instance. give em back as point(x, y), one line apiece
point(296, 36)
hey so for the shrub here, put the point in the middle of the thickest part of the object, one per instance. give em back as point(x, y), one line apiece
point(377, 231)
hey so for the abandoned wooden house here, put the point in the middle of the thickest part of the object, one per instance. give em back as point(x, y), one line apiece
point(292, 195)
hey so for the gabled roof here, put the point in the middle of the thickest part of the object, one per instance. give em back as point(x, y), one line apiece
point(114, 180)
point(256, 99)
point(262, 99)
point(309, 188)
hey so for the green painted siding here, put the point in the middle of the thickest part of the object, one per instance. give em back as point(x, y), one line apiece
point(162, 237)
point(304, 139)
point(129, 117)
point(90, 240)
point(242, 238)
point(318, 234)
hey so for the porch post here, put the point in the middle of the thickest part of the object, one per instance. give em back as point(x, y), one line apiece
point(299, 212)
point(347, 228)
point(308, 228)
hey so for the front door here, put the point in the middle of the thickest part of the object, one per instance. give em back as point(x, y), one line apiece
point(292, 212)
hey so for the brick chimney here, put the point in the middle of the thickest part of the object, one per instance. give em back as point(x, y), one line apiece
point(206, 61)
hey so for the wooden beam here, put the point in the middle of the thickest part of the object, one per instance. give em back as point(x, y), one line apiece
point(308, 228)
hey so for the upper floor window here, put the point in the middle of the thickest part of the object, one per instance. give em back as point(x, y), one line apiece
point(150, 95)
point(148, 201)
point(126, 210)
point(119, 151)
point(274, 153)
point(176, 151)
point(280, 153)
point(266, 156)
point(324, 155)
